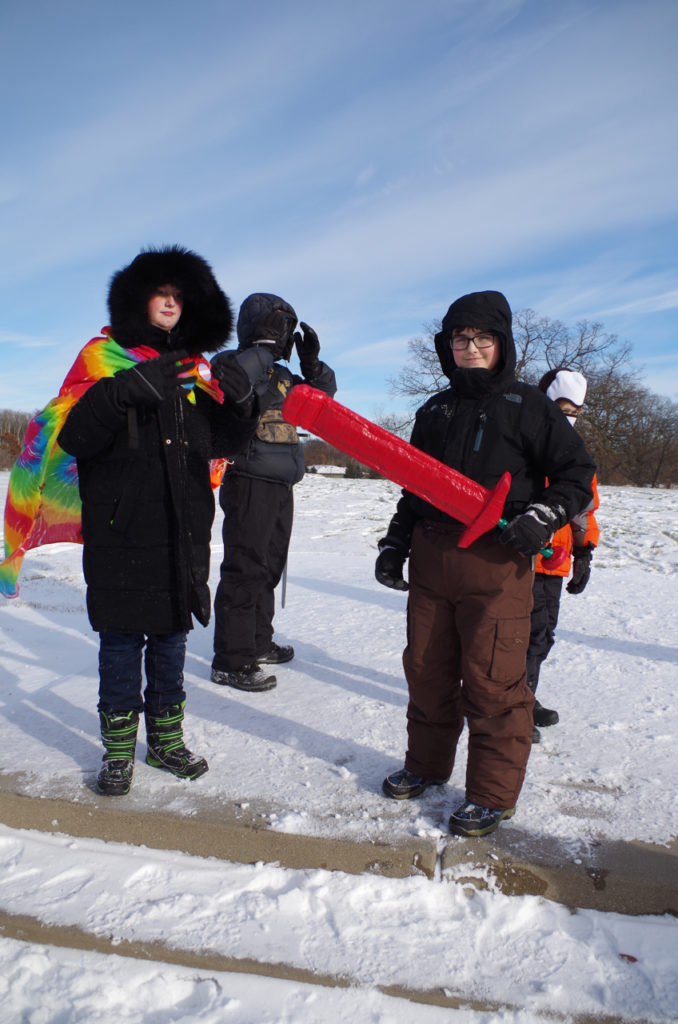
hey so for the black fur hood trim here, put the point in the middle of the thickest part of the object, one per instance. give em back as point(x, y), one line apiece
point(206, 320)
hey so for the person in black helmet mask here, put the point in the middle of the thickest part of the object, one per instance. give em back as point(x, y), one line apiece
point(468, 617)
point(257, 498)
point(148, 422)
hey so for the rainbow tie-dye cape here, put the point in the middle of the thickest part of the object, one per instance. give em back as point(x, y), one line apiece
point(43, 500)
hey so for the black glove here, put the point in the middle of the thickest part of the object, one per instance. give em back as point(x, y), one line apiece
point(234, 383)
point(151, 382)
point(388, 569)
point(308, 348)
point(529, 532)
point(581, 569)
point(275, 329)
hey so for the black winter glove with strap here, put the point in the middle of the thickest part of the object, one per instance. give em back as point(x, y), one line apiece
point(308, 348)
point(388, 569)
point(530, 531)
point(275, 329)
point(581, 568)
point(151, 382)
point(234, 382)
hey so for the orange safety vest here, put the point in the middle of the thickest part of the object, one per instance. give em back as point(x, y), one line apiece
point(217, 469)
point(581, 531)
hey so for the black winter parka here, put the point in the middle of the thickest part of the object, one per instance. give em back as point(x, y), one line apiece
point(488, 423)
point(147, 510)
point(274, 453)
point(144, 472)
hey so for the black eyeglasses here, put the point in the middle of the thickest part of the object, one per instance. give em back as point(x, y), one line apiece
point(483, 340)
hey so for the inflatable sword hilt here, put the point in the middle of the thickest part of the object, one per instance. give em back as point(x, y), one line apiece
point(554, 556)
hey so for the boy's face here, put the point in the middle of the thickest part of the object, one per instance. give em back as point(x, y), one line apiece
point(165, 306)
point(568, 407)
point(481, 354)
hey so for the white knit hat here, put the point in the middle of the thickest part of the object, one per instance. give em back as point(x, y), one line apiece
point(568, 384)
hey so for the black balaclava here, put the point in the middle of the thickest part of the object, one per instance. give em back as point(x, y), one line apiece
point(488, 311)
point(206, 320)
point(253, 309)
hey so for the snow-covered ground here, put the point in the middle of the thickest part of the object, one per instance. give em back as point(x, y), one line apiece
point(314, 752)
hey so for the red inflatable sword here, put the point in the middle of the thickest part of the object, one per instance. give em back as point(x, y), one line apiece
point(452, 492)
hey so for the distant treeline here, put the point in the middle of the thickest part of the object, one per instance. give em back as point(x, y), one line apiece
point(12, 432)
point(631, 433)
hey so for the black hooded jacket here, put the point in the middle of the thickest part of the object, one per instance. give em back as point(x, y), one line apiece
point(487, 423)
point(144, 472)
point(274, 453)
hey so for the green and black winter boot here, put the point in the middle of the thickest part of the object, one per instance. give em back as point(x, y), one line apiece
point(165, 741)
point(119, 734)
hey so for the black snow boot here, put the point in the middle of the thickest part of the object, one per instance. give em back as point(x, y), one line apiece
point(278, 654)
point(119, 734)
point(165, 743)
point(473, 820)
point(250, 677)
point(404, 784)
point(544, 716)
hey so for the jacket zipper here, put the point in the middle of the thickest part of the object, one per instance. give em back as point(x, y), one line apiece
point(479, 433)
point(183, 509)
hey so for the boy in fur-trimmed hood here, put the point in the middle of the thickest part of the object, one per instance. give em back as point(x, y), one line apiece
point(149, 419)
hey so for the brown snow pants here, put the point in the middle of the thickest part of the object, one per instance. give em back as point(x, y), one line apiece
point(468, 627)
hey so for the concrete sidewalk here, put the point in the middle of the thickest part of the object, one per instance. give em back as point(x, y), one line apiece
point(28, 929)
point(633, 878)
point(629, 878)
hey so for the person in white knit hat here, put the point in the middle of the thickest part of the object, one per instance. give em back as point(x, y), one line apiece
point(567, 388)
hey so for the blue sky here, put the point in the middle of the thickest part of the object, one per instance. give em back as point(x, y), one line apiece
point(369, 160)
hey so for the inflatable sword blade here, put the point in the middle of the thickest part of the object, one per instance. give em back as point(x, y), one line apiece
point(452, 492)
point(477, 507)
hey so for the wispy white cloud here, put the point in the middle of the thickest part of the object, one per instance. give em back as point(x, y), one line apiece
point(24, 341)
point(506, 168)
point(668, 359)
point(661, 382)
point(369, 161)
point(648, 304)
point(608, 286)
point(366, 356)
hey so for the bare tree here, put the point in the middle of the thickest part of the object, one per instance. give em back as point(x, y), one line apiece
point(631, 433)
point(9, 450)
point(400, 425)
point(15, 423)
point(536, 337)
point(421, 376)
point(541, 344)
point(652, 449)
point(319, 453)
